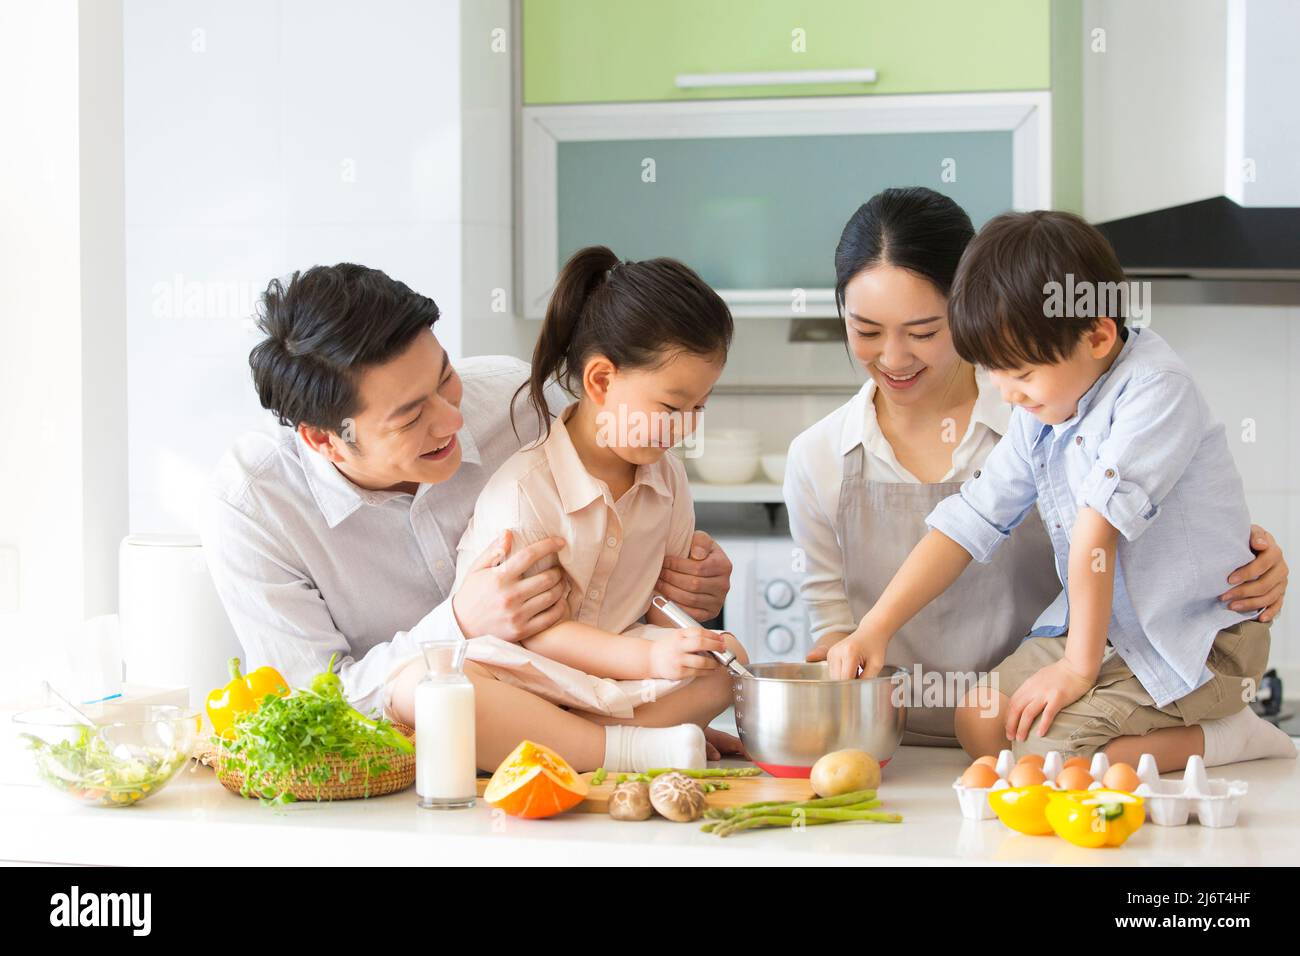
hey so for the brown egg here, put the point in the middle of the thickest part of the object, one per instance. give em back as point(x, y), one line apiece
point(1077, 762)
point(1074, 778)
point(988, 761)
point(1121, 776)
point(1026, 775)
point(1035, 759)
point(979, 775)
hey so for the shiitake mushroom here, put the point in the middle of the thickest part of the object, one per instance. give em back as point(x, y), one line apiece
point(677, 797)
point(630, 801)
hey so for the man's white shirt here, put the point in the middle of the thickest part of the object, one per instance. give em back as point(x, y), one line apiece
point(308, 564)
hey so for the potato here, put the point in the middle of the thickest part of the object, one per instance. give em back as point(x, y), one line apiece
point(844, 771)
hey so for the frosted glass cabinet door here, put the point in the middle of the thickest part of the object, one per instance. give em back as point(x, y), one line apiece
point(760, 212)
point(753, 194)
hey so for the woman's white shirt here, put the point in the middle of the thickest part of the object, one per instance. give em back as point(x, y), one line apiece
point(812, 487)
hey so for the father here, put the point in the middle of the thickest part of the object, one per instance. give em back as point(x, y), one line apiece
point(339, 532)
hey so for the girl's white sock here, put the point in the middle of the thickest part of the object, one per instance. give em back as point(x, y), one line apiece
point(1243, 736)
point(646, 748)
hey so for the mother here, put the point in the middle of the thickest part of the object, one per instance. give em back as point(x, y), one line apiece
point(860, 482)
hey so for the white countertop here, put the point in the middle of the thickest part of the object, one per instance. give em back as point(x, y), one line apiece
point(195, 821)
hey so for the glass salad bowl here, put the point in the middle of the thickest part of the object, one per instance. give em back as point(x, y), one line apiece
point(129, 755)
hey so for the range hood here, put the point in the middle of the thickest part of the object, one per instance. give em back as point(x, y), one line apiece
point(1211, 239)
point(1193, 135)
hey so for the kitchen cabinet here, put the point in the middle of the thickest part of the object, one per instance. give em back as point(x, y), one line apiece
point(754, 193)
point(593, 51)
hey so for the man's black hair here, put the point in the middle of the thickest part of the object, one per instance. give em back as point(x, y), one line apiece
point(323, 328)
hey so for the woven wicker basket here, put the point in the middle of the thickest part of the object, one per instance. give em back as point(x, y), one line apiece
point(399, 775)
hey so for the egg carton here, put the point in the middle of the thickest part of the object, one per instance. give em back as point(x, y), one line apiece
point(1169, 803)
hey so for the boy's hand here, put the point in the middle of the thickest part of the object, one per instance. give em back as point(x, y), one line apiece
point(677, 655)
point(864, 648)
point(1052, 688)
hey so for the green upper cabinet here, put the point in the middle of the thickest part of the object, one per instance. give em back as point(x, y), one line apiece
point(591, 51)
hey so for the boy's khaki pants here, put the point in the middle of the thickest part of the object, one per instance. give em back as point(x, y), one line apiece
point(1119, 706)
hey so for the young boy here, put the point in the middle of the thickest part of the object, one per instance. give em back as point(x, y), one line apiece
point(1136, 485)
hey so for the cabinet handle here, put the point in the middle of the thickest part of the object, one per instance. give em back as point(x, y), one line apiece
point(774, 78)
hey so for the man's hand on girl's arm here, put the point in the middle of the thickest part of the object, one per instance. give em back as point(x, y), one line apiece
point(499, 599)
point(697, 584)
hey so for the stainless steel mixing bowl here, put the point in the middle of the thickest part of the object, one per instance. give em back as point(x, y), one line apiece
point(789, 714)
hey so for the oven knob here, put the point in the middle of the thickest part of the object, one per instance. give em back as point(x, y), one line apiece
point(779, 594)
point(780, 639)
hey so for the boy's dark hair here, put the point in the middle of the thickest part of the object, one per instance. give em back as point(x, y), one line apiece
point(323, 329)
point(1002, 311)
point(630, 312)
point(914, 228)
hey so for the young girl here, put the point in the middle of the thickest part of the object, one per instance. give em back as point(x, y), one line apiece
point(639, 345)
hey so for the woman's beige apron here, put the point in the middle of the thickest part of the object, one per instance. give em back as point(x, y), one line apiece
point(968, 629)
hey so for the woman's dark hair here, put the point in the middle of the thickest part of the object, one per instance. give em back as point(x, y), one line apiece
point(1007, 308)
point(634, 313)
point(323, 328)
point(915, 228)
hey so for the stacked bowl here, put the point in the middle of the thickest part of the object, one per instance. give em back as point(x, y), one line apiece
point(727, 456)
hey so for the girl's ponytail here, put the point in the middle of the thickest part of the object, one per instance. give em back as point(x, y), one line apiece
point(630, 312)
point(582, 275)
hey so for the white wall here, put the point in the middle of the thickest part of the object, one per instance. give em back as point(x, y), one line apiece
point(62, 494)
point(103, 300)
point(264, 136)
point(488, 52)
point(1246, 360)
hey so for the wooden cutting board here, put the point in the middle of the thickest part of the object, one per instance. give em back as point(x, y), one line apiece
point(742, 790)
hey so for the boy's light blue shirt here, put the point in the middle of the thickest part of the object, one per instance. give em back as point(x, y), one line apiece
point(1143, 451)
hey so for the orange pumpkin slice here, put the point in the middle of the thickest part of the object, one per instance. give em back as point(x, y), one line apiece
point(535, 781)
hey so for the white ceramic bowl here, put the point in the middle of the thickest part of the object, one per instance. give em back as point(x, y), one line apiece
point(726, 469)
point(729, 441)
point(774, 468)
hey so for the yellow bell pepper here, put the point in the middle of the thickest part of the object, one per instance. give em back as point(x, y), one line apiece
point(263, 681)
point(1023, 808)
point(242, 694)
point(1093, 818)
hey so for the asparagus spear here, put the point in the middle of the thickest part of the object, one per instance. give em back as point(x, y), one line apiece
point(751, 823)
point(707, 772)
point(843, 800)
point(785, 810)
point(793, 818)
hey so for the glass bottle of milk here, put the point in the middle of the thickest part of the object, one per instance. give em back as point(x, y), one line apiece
point(445, 768)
